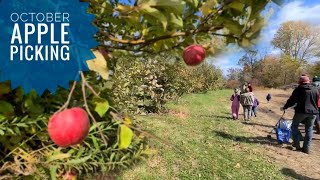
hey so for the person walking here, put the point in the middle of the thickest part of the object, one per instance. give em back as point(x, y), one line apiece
point(316, 83)
point(254, 106)
point(235, 105)
point(305, 97)
point(268, 97)
point(246, 100)
point(243, 87)
point(250, 87)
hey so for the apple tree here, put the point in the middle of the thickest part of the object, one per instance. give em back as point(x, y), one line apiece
point(126, 28)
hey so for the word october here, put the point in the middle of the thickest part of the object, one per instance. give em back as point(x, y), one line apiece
point(39, 25)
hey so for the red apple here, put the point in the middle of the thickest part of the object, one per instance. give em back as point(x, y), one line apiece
point(193, 55)
point(69, 127)
point(70, 176)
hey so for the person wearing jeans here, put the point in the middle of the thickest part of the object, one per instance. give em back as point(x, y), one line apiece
point(247, 109)
point(246, 100)
point(305, 97)
point(296, 134)
point(254, 107)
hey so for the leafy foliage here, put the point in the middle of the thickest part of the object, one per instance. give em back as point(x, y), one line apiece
point(157, 26)
point(25, 147)
point(125, 28)
point(145, 85)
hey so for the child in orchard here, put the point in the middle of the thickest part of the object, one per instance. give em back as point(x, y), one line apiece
point(254, 107)
point(235, 98)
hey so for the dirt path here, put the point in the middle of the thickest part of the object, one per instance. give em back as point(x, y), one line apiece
point(295, 164)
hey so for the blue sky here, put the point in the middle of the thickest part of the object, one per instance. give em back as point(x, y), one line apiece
point(306, 10)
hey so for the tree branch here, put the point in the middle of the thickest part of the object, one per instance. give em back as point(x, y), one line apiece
point(141, 40)
point(83, 87)
point(209, 16)
point(66, 104)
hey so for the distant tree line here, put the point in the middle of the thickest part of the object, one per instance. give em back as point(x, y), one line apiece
point(299, 46)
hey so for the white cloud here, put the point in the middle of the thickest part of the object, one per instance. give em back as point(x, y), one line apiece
point(227, 59)
point(296, 10)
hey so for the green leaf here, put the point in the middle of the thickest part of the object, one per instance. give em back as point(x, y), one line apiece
point(19, 94)
point(156, 14)
point(125, 137)
point(177, 20)
point(58, 157)
point(176, 6)
point(4, 88)
point(53, 172)
point(237, 6)
point(79, 161)
point(207, 7)
point(6, 108)
point(195, 3)
point(80, 152)
point(32, 104)
point(95, 142)
point(102, 106)
point(94, 126)
point(111, 157)
point(22, 125)
point(233, 26)
point(2, 117)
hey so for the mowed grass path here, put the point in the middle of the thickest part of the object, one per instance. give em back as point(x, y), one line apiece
point(200, 127)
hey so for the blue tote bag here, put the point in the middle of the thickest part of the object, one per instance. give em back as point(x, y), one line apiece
point(283, 131)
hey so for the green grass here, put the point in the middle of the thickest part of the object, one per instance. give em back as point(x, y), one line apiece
point(206, 138)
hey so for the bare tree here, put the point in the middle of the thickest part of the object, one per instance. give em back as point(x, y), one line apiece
point(234, 74)
point(297, 39)
point(249, 62)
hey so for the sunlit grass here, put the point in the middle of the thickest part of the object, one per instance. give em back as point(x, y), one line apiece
point(200, 127)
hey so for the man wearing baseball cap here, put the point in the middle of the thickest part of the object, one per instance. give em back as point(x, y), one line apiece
point(305, 96)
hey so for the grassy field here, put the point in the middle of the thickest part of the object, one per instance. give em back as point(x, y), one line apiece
point(200, 127)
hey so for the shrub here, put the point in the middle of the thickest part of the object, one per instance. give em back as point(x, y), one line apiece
point(145, 85)
point(233, 84)
point(25, 147)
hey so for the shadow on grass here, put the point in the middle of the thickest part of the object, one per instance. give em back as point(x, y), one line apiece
point(251, 140)
point(256, 124)
point(293, 174)
point(217, 116)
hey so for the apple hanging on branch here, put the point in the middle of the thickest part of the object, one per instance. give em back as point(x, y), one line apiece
point(69, 127)
point(194, 55)
point(153, 27)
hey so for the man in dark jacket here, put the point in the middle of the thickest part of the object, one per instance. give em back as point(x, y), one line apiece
point(305, 96)
point(316, 83)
